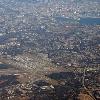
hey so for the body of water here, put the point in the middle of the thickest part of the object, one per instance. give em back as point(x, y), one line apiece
point(4, 66)
point(89, 21)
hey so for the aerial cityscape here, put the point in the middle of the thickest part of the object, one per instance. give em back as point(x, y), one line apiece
point(49, 49)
